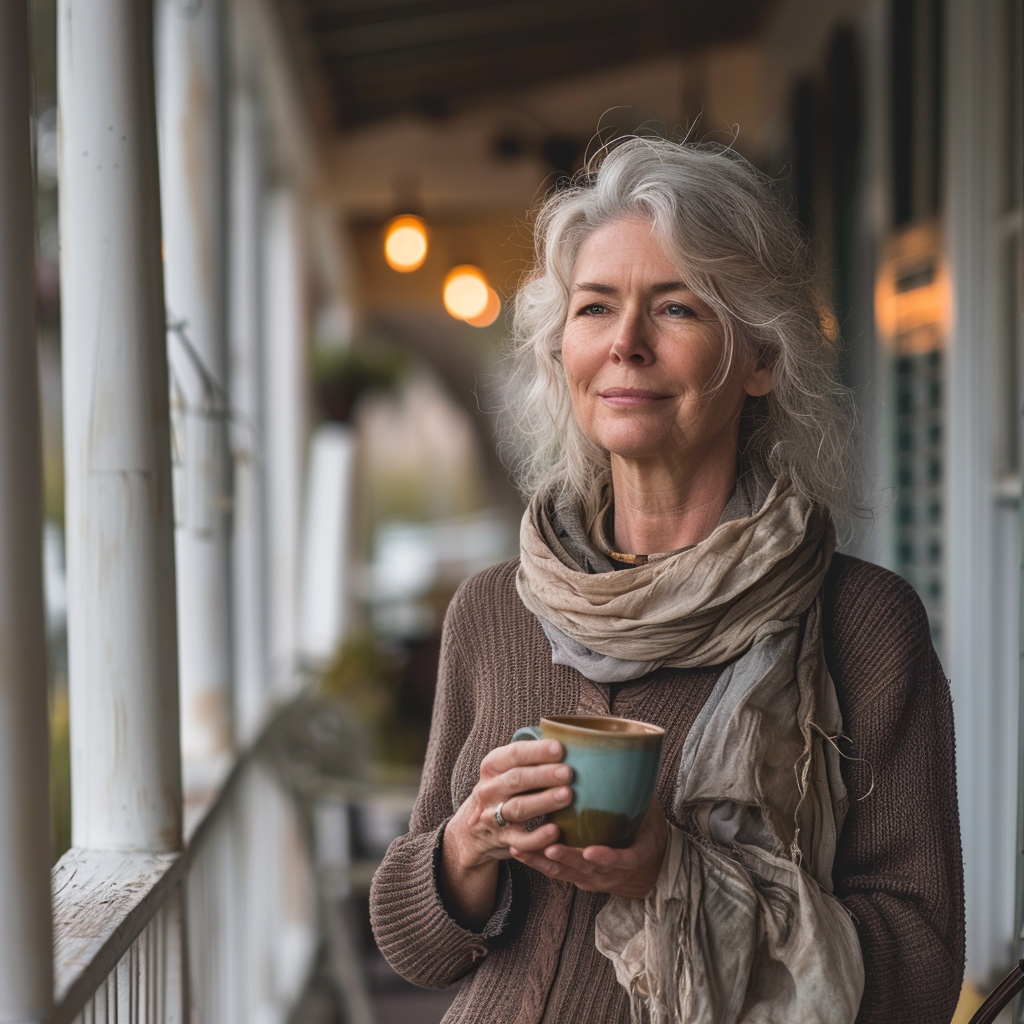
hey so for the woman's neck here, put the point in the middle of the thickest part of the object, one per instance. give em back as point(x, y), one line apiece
point(663, 506)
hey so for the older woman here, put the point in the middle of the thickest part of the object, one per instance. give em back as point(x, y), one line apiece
point(687, 449)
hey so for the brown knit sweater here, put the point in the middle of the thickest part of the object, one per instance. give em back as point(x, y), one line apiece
point(897, 869)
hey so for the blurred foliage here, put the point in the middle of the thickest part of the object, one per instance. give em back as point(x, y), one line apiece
point(60, 774)
point(366, 676)
point(391, 494)
point(343, 375)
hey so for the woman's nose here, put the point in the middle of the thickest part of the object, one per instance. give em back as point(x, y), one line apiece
point(632, 344)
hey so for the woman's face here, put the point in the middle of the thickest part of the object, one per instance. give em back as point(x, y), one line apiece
point(640, 352)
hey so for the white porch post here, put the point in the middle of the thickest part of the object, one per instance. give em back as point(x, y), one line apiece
point(190, 63)
point(285, 325)
point(326, 555)
point(984, 693)
point(248, 542)
point(26, 961)
point(122, 637)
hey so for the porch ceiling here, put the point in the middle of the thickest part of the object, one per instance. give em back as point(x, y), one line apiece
point(385, 57)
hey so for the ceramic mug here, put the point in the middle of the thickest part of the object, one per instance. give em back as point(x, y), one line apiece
point(615, 765)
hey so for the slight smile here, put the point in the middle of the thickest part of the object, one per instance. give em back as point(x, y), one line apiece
point(626, 397)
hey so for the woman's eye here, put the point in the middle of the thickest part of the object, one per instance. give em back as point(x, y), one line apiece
point(594, 309)
point(679, 310)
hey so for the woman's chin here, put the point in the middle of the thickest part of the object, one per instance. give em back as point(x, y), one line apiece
point(637, 449)
point(643, 431)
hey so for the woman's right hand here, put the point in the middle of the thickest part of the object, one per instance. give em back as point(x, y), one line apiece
point(527, 780)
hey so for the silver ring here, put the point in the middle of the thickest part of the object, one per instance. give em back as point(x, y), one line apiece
point(498, 817)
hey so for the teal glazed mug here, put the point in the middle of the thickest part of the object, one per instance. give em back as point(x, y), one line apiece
point(615, 764)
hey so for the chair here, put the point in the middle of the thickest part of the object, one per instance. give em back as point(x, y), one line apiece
point(1001, 996)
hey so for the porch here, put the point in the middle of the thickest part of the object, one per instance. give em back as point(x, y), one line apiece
point(266, 451)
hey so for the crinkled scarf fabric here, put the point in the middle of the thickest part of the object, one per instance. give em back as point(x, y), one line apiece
point(742, 925)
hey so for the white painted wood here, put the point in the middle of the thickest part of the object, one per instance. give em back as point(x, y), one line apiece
point(102, 901)
point(171, 992)
point(285, 319)
point(147, 984)
point(190, 99)
point(249, 536)
point(287, 878)
point(252, 925)
point(225, 931)
point(870, 376)
point(26, 982)
point(979, 542)
point(122, 637)
point(210, 909)
point(327, 557)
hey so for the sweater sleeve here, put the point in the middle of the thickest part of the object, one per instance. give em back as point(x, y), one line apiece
point(411, 924)
point(898, 866)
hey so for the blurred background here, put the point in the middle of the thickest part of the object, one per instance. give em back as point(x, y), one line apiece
point(346, 190)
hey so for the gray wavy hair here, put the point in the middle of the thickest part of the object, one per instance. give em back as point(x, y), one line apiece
point(727, 225)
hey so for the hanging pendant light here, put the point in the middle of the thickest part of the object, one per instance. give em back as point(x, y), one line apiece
point(405, 243)
point(490, 313)
point(466, 292)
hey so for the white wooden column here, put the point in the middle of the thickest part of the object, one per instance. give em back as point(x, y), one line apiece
point(326, 543)
point(984, 692)
point(122, 636)
point(285, 355)
point(190, 98)
point(26, 972)
point(248, 437)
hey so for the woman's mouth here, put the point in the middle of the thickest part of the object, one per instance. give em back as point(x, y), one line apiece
point(625, 397)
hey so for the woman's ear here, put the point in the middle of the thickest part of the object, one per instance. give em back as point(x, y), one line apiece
point(759, 382)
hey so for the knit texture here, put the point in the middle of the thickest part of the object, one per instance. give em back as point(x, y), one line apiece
point(897, 869)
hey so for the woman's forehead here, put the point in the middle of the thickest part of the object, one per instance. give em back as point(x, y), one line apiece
point(626, 248)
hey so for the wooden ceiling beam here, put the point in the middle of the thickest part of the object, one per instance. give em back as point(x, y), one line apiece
point(381, 57)
point(415, 61)
point(466, 28)
point(364, 98)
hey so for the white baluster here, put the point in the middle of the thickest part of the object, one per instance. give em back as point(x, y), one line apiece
point(285, 348)
point(249, 537)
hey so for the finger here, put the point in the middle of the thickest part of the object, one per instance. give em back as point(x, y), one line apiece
point(531, 842)
point(568, 856)
point(608, 857)
point(540, 863)
point(491, 791)
point(522, 752)
point(535, 805)
point(586, 880)
point(528, 779)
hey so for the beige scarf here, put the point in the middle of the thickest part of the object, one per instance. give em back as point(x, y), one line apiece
point(741, 926)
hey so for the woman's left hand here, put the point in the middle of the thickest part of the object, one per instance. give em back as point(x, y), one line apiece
point(632, 872)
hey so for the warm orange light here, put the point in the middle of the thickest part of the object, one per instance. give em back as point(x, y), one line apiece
point(490, 313)
point(465, 292)
point(405, 243)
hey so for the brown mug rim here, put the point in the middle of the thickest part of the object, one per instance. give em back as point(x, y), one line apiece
point(635, 727)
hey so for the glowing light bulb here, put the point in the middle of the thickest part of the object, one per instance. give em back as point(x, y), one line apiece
point(465, 292)
point(490, 313)
point(405, 243)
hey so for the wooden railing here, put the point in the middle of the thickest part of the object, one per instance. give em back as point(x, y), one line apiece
point(230, 929)
point(225, 931)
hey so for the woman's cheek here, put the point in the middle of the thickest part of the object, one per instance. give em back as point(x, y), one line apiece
point(582, 400)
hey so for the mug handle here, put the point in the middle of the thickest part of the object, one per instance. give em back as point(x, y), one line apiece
point(528, 732)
